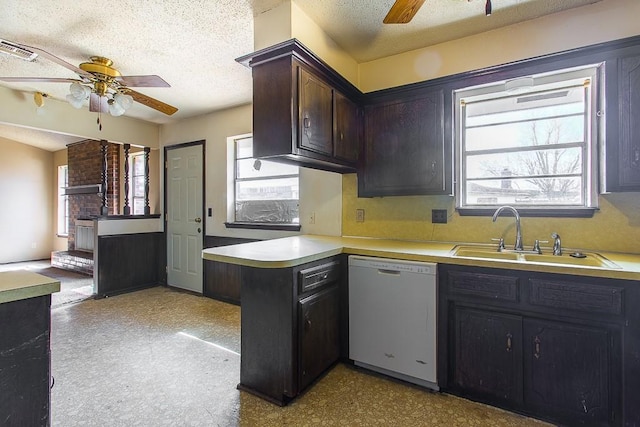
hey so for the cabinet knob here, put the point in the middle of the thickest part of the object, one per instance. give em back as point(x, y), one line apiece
point(306, 123)
point(509, 336)
point(536, 347)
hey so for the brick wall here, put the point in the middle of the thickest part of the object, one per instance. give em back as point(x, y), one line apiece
point(85, 167)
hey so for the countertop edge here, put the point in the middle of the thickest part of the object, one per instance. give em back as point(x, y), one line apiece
point(34, 291)
point(410, 251)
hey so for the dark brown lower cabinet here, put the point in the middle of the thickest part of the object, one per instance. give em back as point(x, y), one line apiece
point(290, 327)
point(488, 354)
point(25, 362)
point(556, 347)
point(318, 334)
point(566, 370)
point(222, 281)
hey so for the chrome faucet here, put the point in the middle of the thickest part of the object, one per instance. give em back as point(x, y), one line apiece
point(518, 246)
point(557, 244)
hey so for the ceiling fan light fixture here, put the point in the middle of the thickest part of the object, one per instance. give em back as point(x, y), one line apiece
point(123, 100)
point(79, 91)
point(115, 109)
point(38, 99)
point(75, 102)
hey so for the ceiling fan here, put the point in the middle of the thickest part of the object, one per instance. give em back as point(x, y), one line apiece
point(107, 89)
point(403, 11)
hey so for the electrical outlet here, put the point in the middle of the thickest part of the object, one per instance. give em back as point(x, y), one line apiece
point(439, 216)
point(359, 215)
point(312, 218)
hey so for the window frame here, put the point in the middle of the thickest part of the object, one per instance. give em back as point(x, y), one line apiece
point(590, 153)
point(132, 192)
point(234, 179)
point(63, 203)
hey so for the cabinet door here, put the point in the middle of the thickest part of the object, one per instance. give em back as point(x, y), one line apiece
point(629, 126)
point(318, 329)
point(404, 148)
point(488, 354)
point(316, 113)
point(566, 371)
point(347, 129)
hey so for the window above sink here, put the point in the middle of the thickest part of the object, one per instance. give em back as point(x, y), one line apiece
point(529, 142)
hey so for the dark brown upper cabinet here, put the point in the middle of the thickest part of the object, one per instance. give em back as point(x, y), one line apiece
point(347, 128)
point(316, 113)
point(404, 147)
point(622, 124)
point(304, 112)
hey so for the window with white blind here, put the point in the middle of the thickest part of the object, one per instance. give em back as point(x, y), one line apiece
point(528, 142)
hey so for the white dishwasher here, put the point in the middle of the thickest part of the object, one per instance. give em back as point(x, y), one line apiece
point(392, 318)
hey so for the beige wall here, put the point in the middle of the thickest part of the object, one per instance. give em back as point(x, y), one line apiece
point(320, 192)
point(288, 21)
point(60, 117)
point(27, 203)
point(615, 227)
point(599, 22)
point(59, 159)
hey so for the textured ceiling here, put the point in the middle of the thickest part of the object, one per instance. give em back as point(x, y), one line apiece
point(357, 25)
point(193, 44)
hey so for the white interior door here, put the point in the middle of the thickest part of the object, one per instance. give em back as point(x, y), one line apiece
point(184, 217)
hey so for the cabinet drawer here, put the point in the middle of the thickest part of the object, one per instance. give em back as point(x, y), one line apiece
point(318, 276)
point(483, 285)
point(576, 296)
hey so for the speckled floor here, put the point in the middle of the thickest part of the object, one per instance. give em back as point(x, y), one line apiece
point(160, 357)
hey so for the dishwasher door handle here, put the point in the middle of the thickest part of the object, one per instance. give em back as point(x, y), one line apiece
point(392, 272)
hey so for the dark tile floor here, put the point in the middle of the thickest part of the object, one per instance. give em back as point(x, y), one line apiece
point(160, 357)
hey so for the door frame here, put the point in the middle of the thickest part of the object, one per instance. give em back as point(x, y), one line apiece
point(202, 143)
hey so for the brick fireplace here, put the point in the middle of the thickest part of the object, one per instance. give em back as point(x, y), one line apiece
point(85, 162)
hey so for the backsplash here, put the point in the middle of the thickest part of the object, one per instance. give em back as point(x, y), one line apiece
point(615, 227)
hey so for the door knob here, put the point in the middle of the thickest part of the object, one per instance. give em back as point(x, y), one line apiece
point(199, 230)
point(198, 220)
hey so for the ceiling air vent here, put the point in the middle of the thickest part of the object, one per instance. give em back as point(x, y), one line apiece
point(17, 51)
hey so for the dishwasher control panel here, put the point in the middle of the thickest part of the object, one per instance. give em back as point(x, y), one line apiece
point(393, 265)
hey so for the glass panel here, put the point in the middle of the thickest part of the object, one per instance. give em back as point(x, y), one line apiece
point(138, 186)
point(528, 133)
point(530, 192)
point(244, 148)
point(138, 165)
point(525, 163)
point(268, 189)
point(248, 168)
point(138, 206)
point(268, 211)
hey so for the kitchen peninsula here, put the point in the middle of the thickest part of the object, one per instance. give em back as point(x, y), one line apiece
point(539, 309)
point(25, 364)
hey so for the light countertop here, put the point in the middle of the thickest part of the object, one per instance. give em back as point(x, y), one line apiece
point(22, 284)
point(291, 251)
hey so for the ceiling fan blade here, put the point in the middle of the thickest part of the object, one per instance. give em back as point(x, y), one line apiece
point(98, 104)
point(57, 60)
point(143, 81)
point(38, 80)
point(402, 11)
point(152, 102)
